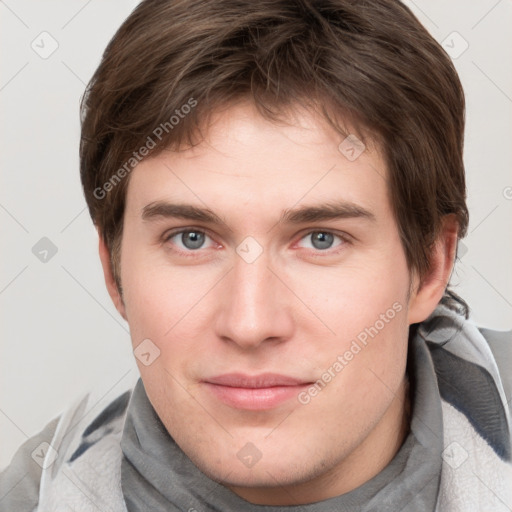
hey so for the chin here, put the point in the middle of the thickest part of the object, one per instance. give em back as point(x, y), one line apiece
point(268, 472)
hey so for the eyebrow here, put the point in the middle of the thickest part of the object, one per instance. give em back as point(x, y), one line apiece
point(328, 211)
point(179, 211)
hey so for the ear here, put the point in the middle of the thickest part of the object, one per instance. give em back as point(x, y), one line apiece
point(427, 293)
point(110, 282)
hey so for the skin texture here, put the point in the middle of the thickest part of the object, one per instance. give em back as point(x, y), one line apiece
point(292, 311)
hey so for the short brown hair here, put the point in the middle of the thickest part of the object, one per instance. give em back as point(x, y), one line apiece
point(371, 63)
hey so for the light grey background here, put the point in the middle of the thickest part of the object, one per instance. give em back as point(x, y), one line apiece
point(60, 333)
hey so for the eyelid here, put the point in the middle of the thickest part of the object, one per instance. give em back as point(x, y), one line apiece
point(341, 234)
point(344, 237)
point(167, 235)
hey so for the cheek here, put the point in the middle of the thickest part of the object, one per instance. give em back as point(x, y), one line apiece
point(351, 297)
point(158, 296)
point(360, 372)
point(365, 309)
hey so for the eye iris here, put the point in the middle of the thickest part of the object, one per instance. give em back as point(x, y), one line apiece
point(322, 240)
point(192, 239)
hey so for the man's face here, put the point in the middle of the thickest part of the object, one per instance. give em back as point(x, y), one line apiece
point(274, 293)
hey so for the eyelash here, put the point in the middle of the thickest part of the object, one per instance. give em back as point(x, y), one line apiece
point(345, 239)
point(188, 253)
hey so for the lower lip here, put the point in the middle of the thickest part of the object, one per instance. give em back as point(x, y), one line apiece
point(255, 399)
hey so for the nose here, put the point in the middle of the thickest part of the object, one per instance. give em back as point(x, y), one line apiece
point(254, 307)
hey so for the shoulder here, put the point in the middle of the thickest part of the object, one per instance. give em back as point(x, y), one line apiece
point(19, 482)
point(500, 343)
point(86, 472)
point(85, 435)
point(470, 364)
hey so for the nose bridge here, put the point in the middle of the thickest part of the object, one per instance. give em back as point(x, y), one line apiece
point(251, 285)
point(252, 310)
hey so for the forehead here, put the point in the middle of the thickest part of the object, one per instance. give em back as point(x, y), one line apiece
point(247, 160)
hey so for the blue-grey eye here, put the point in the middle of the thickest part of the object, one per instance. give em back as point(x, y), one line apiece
point(192, 239)
point(321, 239)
